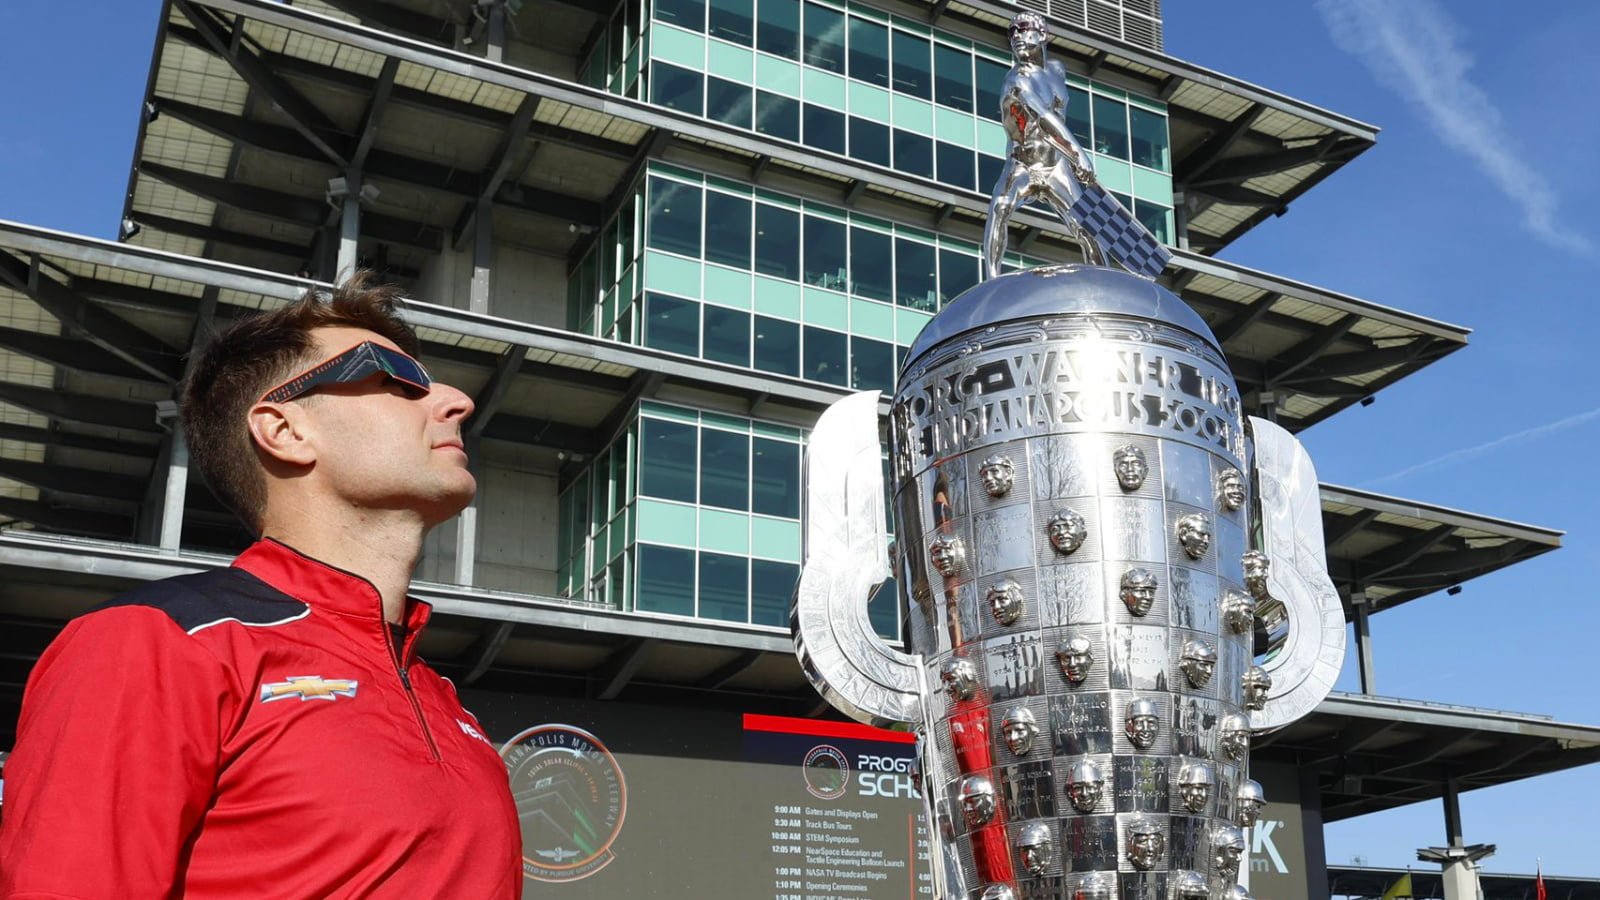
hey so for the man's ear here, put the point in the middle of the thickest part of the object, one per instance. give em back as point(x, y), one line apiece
point(282, 432)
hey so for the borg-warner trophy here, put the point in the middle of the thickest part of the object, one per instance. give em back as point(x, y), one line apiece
point(1111, 576)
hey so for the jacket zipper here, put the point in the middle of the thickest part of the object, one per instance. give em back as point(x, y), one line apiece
point(405, 682)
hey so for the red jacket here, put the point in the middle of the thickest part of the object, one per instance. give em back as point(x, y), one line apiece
point(247, 732)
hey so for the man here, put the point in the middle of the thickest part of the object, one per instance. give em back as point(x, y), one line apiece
point(1046, 161)
point(265, 729)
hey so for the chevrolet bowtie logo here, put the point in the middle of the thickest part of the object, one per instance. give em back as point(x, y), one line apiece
point(308, 687)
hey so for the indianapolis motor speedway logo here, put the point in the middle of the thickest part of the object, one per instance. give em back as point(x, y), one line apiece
point(571, 800)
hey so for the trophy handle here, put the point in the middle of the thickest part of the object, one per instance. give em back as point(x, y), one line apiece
point(846, 558)
point(1302, 615)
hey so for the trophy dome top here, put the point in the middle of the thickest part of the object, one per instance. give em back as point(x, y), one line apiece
point(1057, 291)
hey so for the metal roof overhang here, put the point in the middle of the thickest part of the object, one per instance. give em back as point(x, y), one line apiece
point(211, 170)
point(1372, 882)
point(1397, 550)
point(1240, 152)
point(1375, 753)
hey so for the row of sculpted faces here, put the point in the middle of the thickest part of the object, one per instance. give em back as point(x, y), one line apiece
point(1020, 728)
point(1146, 835)
point(998, 473)
point(1068, 530)
point(1190, 886)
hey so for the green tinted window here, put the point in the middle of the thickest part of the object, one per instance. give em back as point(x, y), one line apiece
point(690, 14)
point(775, 478)
point(674, 216)
point(823, 129)
point(728, 102)
point(916, 270)
point(666, 580)
point(871, 365)
point(672, 324)
point(778, 28)
point(727, 336)
point(825, 254)
point(777, 242)
point(733, 20)
point(778, 116)
point(991, 78)
point(869, 141)
point(871, 264)
point(824, 38)
point(724, 587)
point(869, 52)
point(825, 355)
point(676, 88)
point(724, 468)
point(667, 460)
point(1110, 127)
point(771, 589)
point(1150, 146)
point(727, 229)
point(913, 68)
point(777, 346)
point(952, 70)
point(913, 153)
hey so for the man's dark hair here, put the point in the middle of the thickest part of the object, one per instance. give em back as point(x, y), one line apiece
point(255, 354)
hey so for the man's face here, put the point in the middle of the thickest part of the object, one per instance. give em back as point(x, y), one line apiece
point(1198, 667)
point(1036, 856)
point(1229, 850)
point(977, 802)
point(1142, 731)
point(1138, 593)
point(1249, 809)
point(997, 476)
point(960, 678)
point(1231, 488)
point(1067, 531)
point(1084, 794)
point(1027, 43)
point(1131, 468)
point(1235, 738)
point(1075, 658)
point(1238, 612)
point(1019, 734)
point(946, 556)
point(1194, 535)
point(1194, 794)
point(1005, 601)
point(1144, 848)
point(379, 446)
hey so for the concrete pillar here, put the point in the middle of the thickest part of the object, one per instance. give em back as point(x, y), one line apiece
point(467, 521)
point(1460, 880)
point(177, 490)
point(482, 256)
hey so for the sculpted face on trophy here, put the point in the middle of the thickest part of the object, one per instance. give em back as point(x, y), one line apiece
point(1019, 727)
point(997, 473)
point(960, 677)
point(1085, 782)
point(1146, 843)
point(1005, 601)
point(1067, 530)
point(1138, 590)
point(1249, 800)
point(948, 555)
point(1093, 888)
point(1230, 488)
point(997, 892)
point(1256, 685)
point(1227, 849)
point(1144, 723)
point(1235, 734)
point(977, 800)
point(1256, 567)
point(1195, 781)
point(1076, 656)
point(1036, 847)
point(1238, 612)
point(1191, 885)
point(1194, 535)
point(1199, 662)
point(1238, 892)
point(1130, 466)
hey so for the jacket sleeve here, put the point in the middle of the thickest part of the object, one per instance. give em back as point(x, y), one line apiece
point(117, 753)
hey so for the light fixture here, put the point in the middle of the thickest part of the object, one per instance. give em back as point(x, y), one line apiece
point(128, 229)
point(1453, 589)
point(1368, 400)
point(151, 111)
point(339, 190)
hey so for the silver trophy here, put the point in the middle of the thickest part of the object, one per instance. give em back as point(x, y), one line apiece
point(1076, 494)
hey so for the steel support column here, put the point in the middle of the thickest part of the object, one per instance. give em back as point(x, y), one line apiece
point(1452, 813)
point(349, 226)
point(482, 256)
point(1358, 600)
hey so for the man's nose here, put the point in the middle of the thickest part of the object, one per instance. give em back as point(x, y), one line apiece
point(451, 402)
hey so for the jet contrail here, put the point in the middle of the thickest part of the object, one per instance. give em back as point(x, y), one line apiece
point(1517, 437)
point(1414, 49)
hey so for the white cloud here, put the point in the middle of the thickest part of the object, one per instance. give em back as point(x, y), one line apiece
point(1516, 437)
point(1413, 48)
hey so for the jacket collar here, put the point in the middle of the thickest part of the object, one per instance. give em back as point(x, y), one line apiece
point(318, 584)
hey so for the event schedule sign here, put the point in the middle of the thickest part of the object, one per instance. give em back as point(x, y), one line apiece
point(644, 802)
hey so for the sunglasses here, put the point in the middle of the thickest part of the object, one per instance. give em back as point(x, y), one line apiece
point(356, 364)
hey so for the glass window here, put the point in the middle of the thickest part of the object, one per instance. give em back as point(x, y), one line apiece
point(724, 587)
point(1124, 199)
point(957, 272)
point(871, 265)
point(955, 164)
point(679, 89)
point(777, 347)
point(1110, 127)
point(728, 102)
point(727, 336)
point(672, 324)
point(883, 610)
point(667, 460)
point(871, 365)
point(912, 68)
point(913, 153)
point(869, 52)
point(991, 78)
point(777, 242)
point(824, 128)
point(826, 355)
point(724, 469)
point(1149, 138)
point(615, 37)
point(778, 27)
point(869, 141)
point(778, 116)
point(915, 268)
point(666, 580)
point(952, 69)
point(771, 589)
point(675, 216)
point(728, 229)
point(733, 20)
point(825, 259)
point(1154, 216)
point(990, 168)
point(608, 254)
point(1078, 118)
point(600, 501)
point(824, 38)
point(626, 222)
point(775, 479)
point(690, 14)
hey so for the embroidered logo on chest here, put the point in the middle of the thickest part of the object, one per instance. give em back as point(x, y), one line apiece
point(308, 687)
point(469, 731)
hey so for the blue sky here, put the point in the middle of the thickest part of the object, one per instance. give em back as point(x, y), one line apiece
point(1475, 208)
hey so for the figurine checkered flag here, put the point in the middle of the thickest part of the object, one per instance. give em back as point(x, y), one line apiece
point(1123, 237)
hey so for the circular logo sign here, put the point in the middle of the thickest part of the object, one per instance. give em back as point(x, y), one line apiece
point(570, 797)
point(827, 772)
